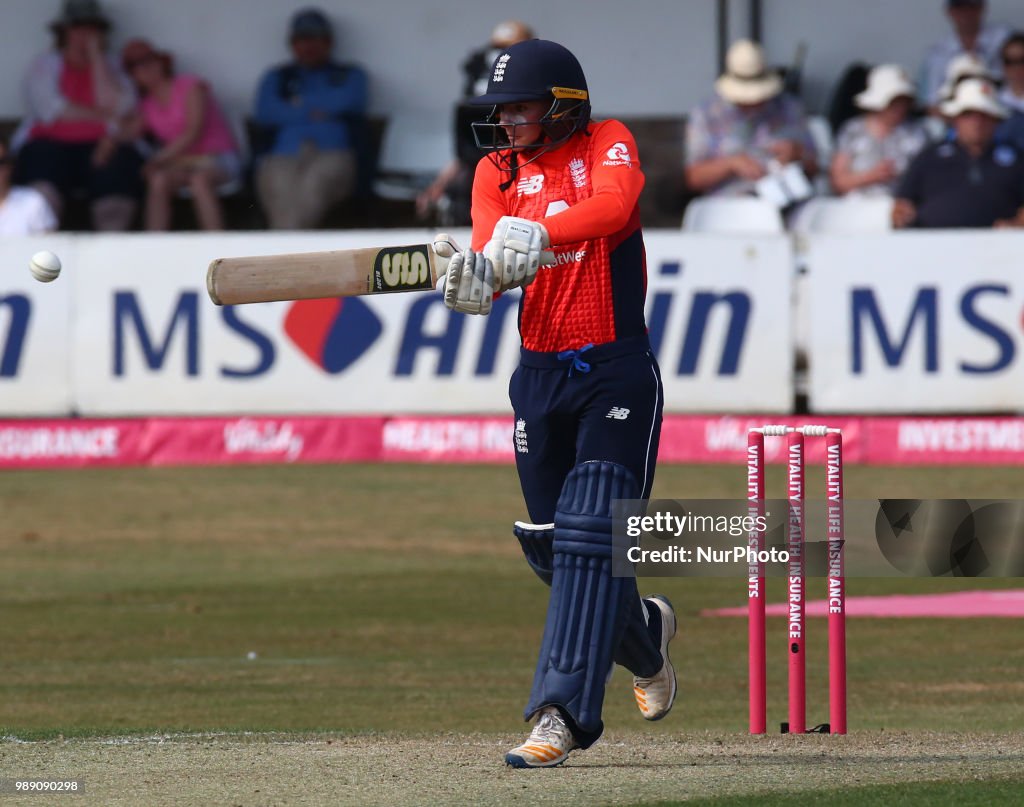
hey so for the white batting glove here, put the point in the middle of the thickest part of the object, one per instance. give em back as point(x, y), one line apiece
point(468, 279)
point(517, 249)
point(444, 248)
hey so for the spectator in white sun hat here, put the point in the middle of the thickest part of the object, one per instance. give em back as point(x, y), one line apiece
point(749, 124)
point(962, 67)
point(966, 65)
point(971, 180)
point(971, 35)
point(874, 148)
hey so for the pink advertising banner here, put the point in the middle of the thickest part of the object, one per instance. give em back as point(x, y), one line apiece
point(71, 443)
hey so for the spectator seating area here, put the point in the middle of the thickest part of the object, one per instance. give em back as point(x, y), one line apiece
point(748, 215)
point(412, 150)
point(310, 141)
point(845, 214)
point(732, 214)
point(401, 156)
point(403, 153)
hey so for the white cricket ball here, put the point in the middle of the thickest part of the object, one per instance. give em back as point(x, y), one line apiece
point(252, 655)
point(45, 266)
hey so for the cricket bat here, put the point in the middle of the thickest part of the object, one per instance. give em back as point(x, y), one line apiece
point(311, 275)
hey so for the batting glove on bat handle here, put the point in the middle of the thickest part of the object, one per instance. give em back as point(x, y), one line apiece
point(445, 249)
point(518, 249)
point(469, 285)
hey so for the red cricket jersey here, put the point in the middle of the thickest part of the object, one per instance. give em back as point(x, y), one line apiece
point(586, 194)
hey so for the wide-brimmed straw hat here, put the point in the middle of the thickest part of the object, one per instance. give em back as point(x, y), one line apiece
point(747, 80)
point(886, 83)
point(975, 95)
point(81, 12)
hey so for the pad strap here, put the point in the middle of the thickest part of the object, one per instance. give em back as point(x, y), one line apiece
point(536, 541)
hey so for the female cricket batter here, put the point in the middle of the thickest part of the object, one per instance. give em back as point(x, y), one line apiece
point(587, 393)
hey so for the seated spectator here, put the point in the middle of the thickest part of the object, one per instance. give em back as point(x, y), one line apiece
point(1012, 94)
point(23, 211)
point(970, 180)
point(966, 65)
point(68, 144)
point(960, 68)
point(310, 106)
point(477, 67)
point(451, 190)
point(970, 35)
point(873, 149)
point(196, 148)
point(735, 137)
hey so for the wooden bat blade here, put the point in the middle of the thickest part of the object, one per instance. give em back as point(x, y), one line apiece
point(311, 275)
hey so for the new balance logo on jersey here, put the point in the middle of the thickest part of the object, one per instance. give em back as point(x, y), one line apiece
point(499, 68)
point(618, 413)
point(530, 185)
point(618, 155)
point(578, 172)
point(520, 437)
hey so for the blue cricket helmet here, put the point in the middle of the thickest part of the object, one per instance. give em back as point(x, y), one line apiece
point(534, 70)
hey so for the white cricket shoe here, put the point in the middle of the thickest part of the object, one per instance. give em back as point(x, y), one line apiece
point(655, 696)
point(548, 744)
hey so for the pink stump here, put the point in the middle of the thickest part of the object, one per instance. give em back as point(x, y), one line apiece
point(756, 591)
point(796, 624)
point(836, 584)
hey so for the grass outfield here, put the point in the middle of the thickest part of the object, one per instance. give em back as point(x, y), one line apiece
point(374, 605)
point(910, 794)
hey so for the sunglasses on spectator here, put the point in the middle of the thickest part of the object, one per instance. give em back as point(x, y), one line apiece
point(6, 159)
point(1013, 61)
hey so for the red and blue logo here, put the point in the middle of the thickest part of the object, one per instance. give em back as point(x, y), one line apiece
point(333, 333)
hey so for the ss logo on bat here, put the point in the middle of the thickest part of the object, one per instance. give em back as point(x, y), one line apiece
point(402, 269)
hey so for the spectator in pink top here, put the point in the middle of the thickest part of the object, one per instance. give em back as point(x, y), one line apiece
point(195, 146)
point(69, 144)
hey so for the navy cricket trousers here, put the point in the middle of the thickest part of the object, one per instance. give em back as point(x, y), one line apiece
point(603, 403)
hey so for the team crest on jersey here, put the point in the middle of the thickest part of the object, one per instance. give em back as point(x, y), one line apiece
point(618, 154)
point(528, 186)
point(499, 68)
point(578, 172)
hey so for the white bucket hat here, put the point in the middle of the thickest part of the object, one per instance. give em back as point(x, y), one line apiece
point(886, 82)
point(974, 95)
point(746, 79)
point(966, 65)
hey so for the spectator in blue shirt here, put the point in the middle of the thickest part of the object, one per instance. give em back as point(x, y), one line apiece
point(309, 109)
